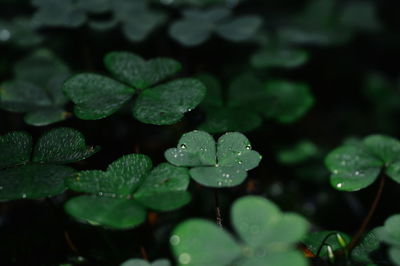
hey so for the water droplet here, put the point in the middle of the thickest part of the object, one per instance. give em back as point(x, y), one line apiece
point(248, 147)
point(227, 175)
point(185, 258)
point(240, 162)
point(1, 187)
point(24, 196)
point(175, 155)
point(343, 162)
point(335, 171)
point(174, 240)
point(219, 183)
point(357, 173)
point(339, 185)
point(100, 194)
point(189, 110)
point(217, 165)
point(239, 153)
point(183, 146)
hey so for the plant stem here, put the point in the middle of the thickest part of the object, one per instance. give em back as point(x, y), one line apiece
point(367, 219)
point(218, 216)
point(144, 253)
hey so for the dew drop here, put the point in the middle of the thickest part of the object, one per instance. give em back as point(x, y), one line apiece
point(1, 187)
point(185, 258)
point(183, 146)
point(357, 173)
point(248, 147)
point(335, 171)
point(174, 240)
point(239, 153)
point(240, 162)
point(24, 196)
point(101, 194)
point(219, 183)
point(339, 185)
point(4, 35)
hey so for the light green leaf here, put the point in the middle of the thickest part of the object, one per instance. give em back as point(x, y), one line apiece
point(140, 25)
point(166, 104)
point(140, 262)
point(190, 32)
point(277, 259)
point(240, 28)
point(96, 96)
point(164, 188)
point(194, 148)
point(390, 234)
point(135, 71)
point(62, 145)
point(352, 167)
point(33, 181)
point(122, 177)
point(218, 176)
point(383, 147)
point(107, 212)
point(260, 223)
point(197, 242)
point(16, 149)
point(234, 149)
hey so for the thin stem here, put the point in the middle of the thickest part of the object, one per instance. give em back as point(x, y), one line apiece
point(70, 243)
point(144, 253)
point(367, 219)
point(218, 216)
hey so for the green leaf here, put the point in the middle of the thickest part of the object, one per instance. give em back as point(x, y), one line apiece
point(45, 116)
point(213, 97)
point(133, 70)
point(234, 149)
point(233, 152)
point(390, 234)
point(62, 145)
point(313, 241)
point(288, 101)
point(164, 188)
point(96, 96)
point(247, 91)
point(383, 147)
point(109, 212)
point(33, 181)
point(166, 104)
point(197, 242)
point(352, 167)
point(190, 32)
point(259, 223)
point(240, 28)
point(140, 262)
point(16, 149)
point(268, 237)
point(279, 57)
point(194, 148)
point(218, 176)
point(140, 25)
point(361, 252)
point(300, 152)
point(122, 177)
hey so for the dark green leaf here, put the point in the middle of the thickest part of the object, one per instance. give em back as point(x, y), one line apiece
point(122, 177)
point(390, 234)
point(283, 57)
point(46, 116)
point(108, 212)
point(16, 149)
point(133, 70)
point(240, 28)
point(313, 241)
point(62, 145)
point(361, 252)
point(164, 188)
point(166, 104)
point(33, 181)
point(218, 176)
point(96, 96)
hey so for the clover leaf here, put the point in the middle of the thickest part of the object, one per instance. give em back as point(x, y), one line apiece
point(140, 262)
point(283, 57)
point(36, 89)
point(197, 26)
point(368, 244)
point(120, 195)
point(356, 166)
point(97, 96)
point(389, 234)
point(267, 237)
point(33, 172)
point(248, 100)
point(224, 164)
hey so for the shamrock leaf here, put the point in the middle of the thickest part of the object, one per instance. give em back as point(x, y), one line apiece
point(389, 234)
point(121, 194)
point(248, 99)
point(267, 237)
point(283, 57)
point(300, 152)
point(140, 262)
point(97, 96)
point(37, 172)
point(225, 164)
point(197, 26)
point(36, 89)
point(369, 243)
point(356, 166)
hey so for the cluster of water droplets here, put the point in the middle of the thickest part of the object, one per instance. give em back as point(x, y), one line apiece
point(183, 258)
